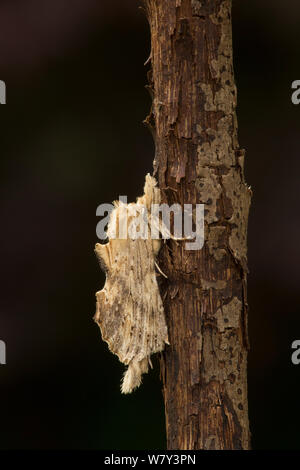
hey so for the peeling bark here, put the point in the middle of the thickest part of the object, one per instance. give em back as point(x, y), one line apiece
point(198, 160)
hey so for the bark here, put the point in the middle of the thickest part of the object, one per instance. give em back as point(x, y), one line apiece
point(198, 160)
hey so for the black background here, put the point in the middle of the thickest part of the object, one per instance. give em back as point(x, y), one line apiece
point(72, 138)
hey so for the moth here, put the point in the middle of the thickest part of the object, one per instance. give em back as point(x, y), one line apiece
point(129, 308)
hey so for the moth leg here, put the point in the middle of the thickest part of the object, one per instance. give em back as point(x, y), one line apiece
point(158, 268)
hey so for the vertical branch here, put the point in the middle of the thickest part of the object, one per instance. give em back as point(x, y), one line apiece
point(198, 160)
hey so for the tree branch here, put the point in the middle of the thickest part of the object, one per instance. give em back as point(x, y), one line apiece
point(198, 160)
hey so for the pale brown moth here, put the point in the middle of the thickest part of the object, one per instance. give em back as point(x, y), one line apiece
point(129, 309)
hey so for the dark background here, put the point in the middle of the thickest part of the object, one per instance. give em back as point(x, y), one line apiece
point(72, 138)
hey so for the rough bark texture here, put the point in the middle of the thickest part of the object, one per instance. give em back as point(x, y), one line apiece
point(198, 160)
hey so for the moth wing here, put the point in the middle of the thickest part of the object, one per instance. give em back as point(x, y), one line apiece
point(129, 307)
